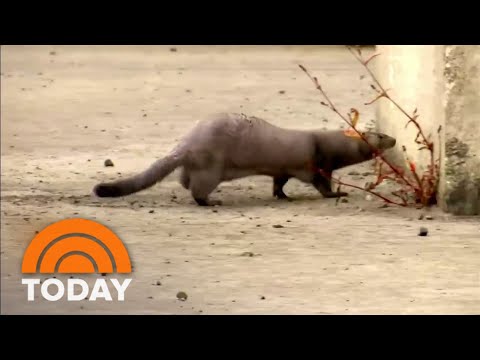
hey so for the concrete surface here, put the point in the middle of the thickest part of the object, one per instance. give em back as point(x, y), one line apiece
point(461, 163)
point(443, 83)
point(67, 109)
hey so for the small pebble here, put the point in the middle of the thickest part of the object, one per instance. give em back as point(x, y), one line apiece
point(108, 162)
point(151, 211)
point(248, 253)
point(277, 226)
point(429, 217)
point(173, 49)
point(158, 283)
point(423, 231)
point(182, 296)
point(281, 92)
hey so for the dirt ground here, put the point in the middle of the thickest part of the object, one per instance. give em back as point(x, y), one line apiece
point(64, 110)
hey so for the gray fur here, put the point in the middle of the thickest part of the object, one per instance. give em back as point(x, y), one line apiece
point(232, 146)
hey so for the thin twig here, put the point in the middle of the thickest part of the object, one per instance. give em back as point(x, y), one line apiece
point(333, 108)
point(384, 92)
point(363, 189)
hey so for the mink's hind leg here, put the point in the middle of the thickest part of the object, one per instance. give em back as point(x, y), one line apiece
point(202, 184)
point(278, 184)
point(185, 178)
point(323, 185)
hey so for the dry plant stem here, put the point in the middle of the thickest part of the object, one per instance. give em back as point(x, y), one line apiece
point(385, 94)
point(371, 192)
point(412, 119)
point(333, 108)
point(423, 187)
point(375, 150)
point(360, 188)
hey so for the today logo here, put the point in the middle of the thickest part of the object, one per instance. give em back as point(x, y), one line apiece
point(76, 246)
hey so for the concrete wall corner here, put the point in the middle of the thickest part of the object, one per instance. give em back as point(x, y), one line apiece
point(443, 83)
point(460, 180)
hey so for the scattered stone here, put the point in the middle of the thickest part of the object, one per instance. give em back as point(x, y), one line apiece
point(367, 173)
point(173, 49)
point(151, 211)
point(248, 253)
point(421, 217)
point(182, 296)
point(262, 298)
point(150, 297)
point(277, 226)
point(158, 283)
point(108, 163)
point(344, 200)
point(281, 92)
point(429, 217)
point(53, 53)
point(423, 231)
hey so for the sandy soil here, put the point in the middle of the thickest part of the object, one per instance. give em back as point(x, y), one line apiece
point(67, 109)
